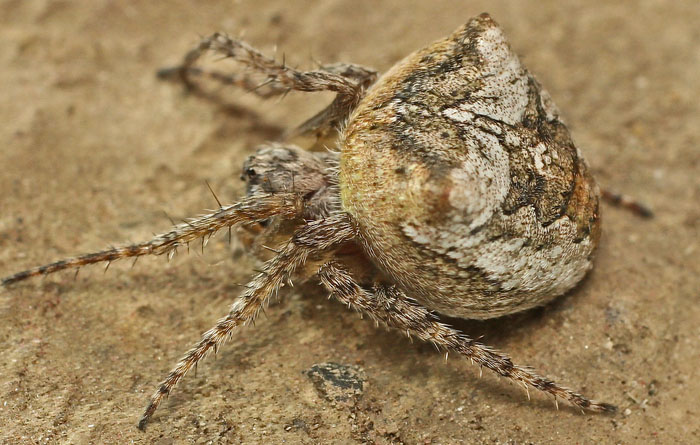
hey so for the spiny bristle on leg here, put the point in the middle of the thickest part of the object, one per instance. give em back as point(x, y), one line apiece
point(314, 237)
point(254, 208)
point(393, 308)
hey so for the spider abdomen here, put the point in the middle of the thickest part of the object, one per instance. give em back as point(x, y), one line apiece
point(464, 182)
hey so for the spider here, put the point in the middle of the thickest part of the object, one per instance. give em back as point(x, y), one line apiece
point(455, 189)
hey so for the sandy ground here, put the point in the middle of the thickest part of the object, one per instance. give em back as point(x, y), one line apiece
point(95, 150)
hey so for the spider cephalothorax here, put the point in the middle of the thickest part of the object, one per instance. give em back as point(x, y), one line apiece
point(455, 188)
point(313, 176)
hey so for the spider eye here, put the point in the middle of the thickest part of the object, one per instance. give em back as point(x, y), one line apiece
point(251, 173)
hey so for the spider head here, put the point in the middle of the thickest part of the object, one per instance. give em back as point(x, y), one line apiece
point(276, 168)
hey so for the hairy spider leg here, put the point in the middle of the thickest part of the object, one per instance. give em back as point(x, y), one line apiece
point(349, 81)
point(395, 309)
point(251, 209)
point(312, 238)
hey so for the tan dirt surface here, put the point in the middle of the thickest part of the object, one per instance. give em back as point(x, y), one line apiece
point(95, 150)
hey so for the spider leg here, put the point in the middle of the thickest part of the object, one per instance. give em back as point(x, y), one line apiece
point(626, 202)
point(314, 237)
point(392, 307)
point(349, 81)
point(185, 74)
point(335, 114)
point(344, 79)
point(251, 209)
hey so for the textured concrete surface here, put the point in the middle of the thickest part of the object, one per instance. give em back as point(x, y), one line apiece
point(94, 150)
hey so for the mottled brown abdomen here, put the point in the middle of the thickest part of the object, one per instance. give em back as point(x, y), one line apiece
point(465, 184)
